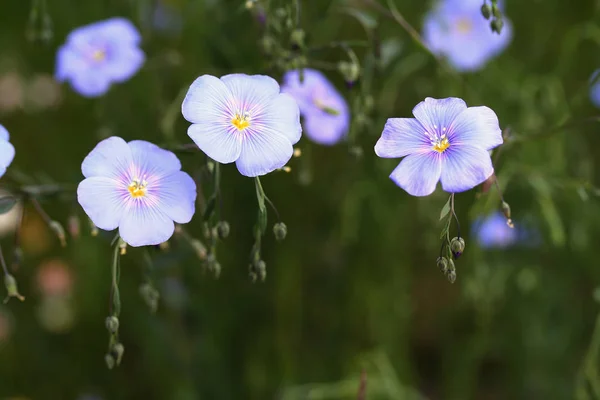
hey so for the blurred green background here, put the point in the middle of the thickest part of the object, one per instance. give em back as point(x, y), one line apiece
point(353, 298)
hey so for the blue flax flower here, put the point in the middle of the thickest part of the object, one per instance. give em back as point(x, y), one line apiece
point(7, 151)
point(137, 187)
point(447, 142)
point(457, 30)
point(243, 119)
point(493, 232)
point(98, 55)
point(325, 111)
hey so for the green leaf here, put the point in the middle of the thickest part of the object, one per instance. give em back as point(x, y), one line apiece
point(446, 209)
point(7, 203)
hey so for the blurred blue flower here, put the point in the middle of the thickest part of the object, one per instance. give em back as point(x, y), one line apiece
point(457, 30)
point(595, 88)
point(324, 109)
point(447, 142)
point(137, 187)
point(243, 118)
point(7, 151)
point(493, 232)
point(98, 55)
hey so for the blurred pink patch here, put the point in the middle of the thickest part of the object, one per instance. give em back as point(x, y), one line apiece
point(54, 278)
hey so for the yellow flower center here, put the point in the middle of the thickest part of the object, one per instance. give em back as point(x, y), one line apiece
point(98, 55)
point(137, 188)
point(241, 121)
point(441, 145)
point(464, 25)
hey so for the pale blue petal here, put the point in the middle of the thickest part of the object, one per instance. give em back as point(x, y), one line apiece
point(110, 158)
point(262, 152)
point(401, 137)
point(303, 92)
point(177, 196)
point(144, 225)
point(117, 30)
point(282, 116)
point(476, 126)
point(69, 63)
point(123, 63)
point(326, 129)
point(216, 141)
point(90, 84)
point(418, 174)
point(251, 93)
point(103, 200)
point(151, 160)
point(208, 101)
point(7, 154)
point(435, 114)
point(493, 232)
point(4, 133)
point(465, 167)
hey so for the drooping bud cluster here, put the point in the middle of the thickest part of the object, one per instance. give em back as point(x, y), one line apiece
point(493, 12)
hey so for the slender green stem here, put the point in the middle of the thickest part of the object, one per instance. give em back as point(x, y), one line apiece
point(3, 262)
point(115, 295)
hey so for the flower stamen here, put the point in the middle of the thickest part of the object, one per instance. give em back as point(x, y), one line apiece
point(441, 144)
point(99, 55)
point(137, 188)
point(241, 121)
point(464, 26)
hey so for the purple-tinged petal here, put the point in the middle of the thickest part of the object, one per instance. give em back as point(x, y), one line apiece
point(325, 130)
point(262, 152)
point(216, 141)
point(110, 158)
point(69, 63)
point(251, 92)
point(151, 160)
point(418, 174)
point(145, 225)
point(465, 167)
point(436, 114)
point(493, 232)
point(282, 116)
point(89, 84)
point(4, 133)
point(476, 126)
point(208, 101)
point(124, 62)
point(103, 200)
point(177, 194)
point(116, 30)
point(305, 91)
point(401, 137)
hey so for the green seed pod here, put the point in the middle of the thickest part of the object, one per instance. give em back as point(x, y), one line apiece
point(486, 11)
point(442, 263)
point(280, 231)
point(497, 25)
point(112, 324)
point(223, 229)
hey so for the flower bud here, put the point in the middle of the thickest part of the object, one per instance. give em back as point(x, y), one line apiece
point(496, 10)
point(486, 11)
point(451, 275)
point(457, 246)
point(59, 231)
point(297, 38)
point(199, 249)
point(11, 287)
point(506, 210)
point(223, 229)
point(349, 70)
point(442, 263)
point(112, 324)
point(280, 231)
point(150, 296)
point(497, 24)
point(260, 269)
point(110, 361)
point(451, 266)
point(117, 351)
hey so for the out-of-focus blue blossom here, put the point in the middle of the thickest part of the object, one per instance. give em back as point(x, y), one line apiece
point(457, 30)
point(325, 111)
point(492, 232)
point(7, 151)
point(137, 187)
point(98, 55)
point(595, 88)
point(243, 119)
point(162, 16)
point(447, 142)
